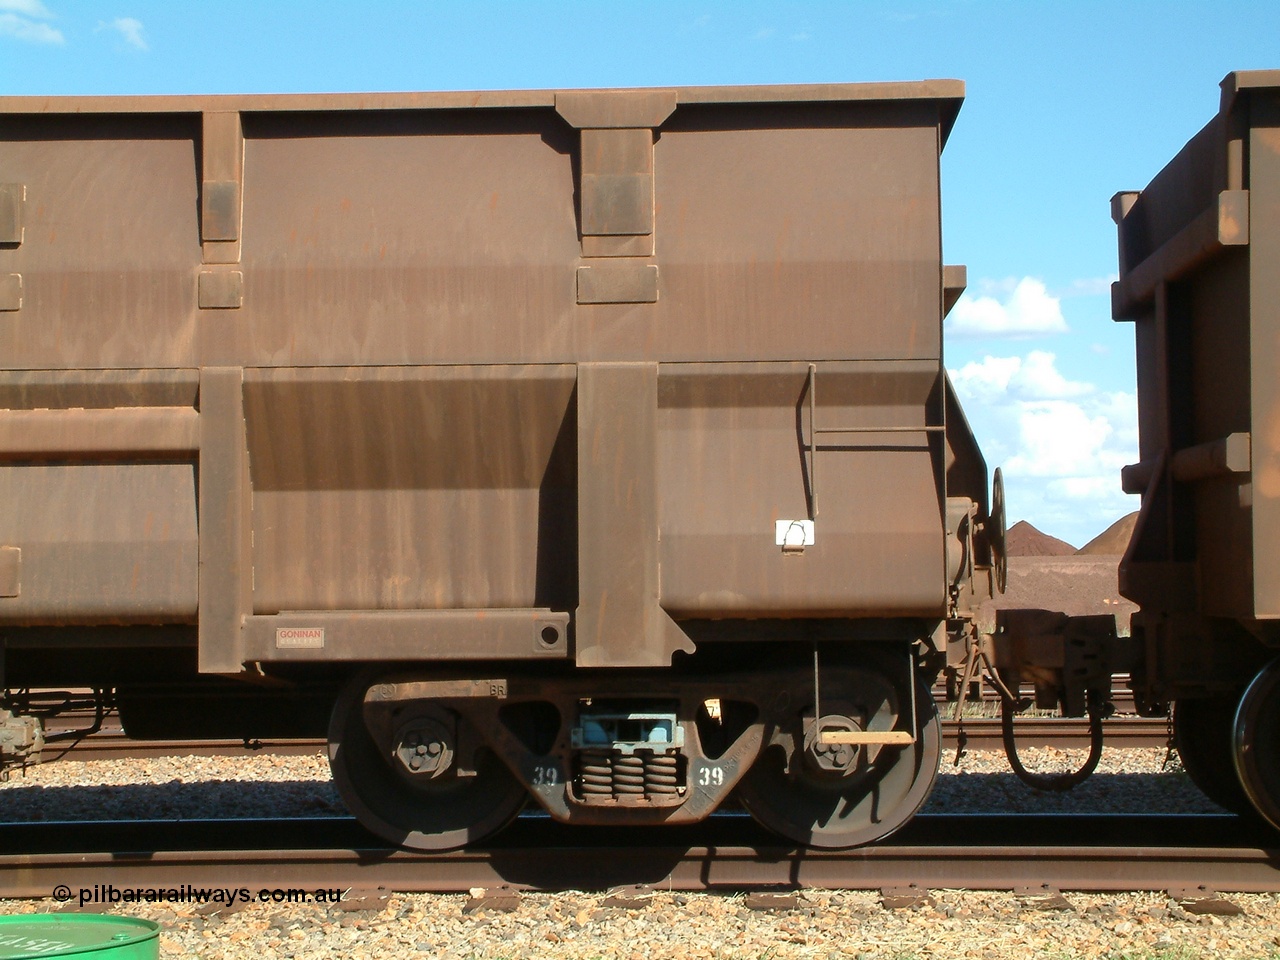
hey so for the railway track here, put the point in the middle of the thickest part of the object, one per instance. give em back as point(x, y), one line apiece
point(1022, 852)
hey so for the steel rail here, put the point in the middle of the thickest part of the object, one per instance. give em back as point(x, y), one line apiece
point(983, 733)
point(1219, 853)
point(1122, 732)
point(114, 745)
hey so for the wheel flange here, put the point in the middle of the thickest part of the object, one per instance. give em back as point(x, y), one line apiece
point(1257, 742)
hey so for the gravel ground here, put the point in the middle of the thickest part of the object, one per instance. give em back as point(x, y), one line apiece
point(165, 788)
point(1127, 781)
point(585, 925)
point(821, 924)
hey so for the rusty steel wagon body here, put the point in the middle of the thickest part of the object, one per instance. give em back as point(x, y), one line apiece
point(588, 445)
point(594, 447)
point(1200, 278)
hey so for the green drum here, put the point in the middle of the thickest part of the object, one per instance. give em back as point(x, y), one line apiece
point(78, 935)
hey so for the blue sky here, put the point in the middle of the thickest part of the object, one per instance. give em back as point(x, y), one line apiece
point(1067, 103)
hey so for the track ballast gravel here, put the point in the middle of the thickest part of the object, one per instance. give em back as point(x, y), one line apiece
point(815, 924)
point(821, 924)
point(256, 785)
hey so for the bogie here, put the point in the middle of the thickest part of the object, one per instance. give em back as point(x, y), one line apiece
point(414, 756)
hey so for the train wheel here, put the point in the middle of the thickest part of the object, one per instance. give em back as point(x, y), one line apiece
point(1202, 733)
point(1257, 742)
point(418, 792)
point(839, 798)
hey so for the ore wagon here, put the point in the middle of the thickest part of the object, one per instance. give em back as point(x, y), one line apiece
point(1200, 279)
point(593, 447)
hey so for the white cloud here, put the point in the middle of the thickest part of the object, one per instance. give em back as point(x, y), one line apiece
point(1038, 379)
point(28, 8)
point(129, 29)
point(985, 382)
point(1082, 488)
point(23, 20)
point(1033, 377)
point(20, 28)
point(1060, 441)
point(1121, 410)
point(1026, 310)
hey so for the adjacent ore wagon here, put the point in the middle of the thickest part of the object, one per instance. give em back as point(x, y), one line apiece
point(1200, 277)
point(588, 446)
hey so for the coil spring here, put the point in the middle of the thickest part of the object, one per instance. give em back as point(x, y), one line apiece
point(628, 774)
point(612, 773)
point(661, 774)
point(595, 772)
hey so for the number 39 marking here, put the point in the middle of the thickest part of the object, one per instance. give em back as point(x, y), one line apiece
point(711, 776)
point(545, 776)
